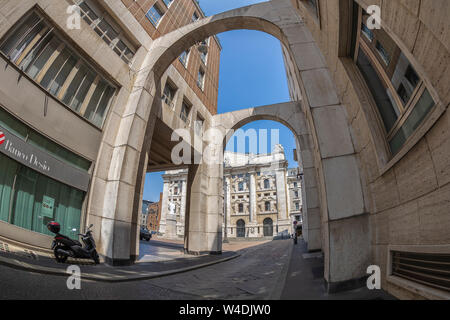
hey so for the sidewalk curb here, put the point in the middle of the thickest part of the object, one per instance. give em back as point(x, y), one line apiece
point(16, 264)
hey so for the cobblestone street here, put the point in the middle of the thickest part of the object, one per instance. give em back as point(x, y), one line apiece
point(256, 274)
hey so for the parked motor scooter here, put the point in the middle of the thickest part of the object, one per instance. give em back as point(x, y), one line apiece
point(64, 247)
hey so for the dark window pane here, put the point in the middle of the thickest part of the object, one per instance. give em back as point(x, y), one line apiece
point(36, 51)
point(388, 113)
point(39, 63)
point(62, 76)
point(95, 99)
point(418, 114)
point(103, 106)
point(77, 102)
point(55, 68)
point(74, 85)
point(12, 42)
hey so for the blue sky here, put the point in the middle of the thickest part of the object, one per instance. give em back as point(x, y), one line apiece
point(251, 74)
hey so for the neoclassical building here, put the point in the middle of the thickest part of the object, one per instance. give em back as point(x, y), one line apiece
point(262, 198)
point(173, 204)
point(295, 195)
point(258, 193)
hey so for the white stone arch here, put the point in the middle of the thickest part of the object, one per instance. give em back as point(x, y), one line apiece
point(289, 114)
point(344, 218)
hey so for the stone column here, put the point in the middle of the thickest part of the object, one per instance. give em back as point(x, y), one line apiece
point(253, 223)
point(228, 204)
point(280, 176)
point(283, 219)
point(164, 208)
point(182, 208)
point(252, 188)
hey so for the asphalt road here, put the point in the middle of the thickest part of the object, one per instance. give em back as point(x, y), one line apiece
point(256, 274)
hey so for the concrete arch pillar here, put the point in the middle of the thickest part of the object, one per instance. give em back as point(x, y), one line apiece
point(343, 217)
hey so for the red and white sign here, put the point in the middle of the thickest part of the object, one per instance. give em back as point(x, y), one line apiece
point(2, 137)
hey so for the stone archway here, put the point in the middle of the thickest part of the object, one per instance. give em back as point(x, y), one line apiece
point(291, 115)
point(329, 151)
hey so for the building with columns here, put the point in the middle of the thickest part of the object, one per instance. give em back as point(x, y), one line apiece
point(262, 198)
point(295, 195)
point(173, 204)
point(257, 194)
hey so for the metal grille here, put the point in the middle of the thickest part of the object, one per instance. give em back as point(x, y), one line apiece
point(430, 269)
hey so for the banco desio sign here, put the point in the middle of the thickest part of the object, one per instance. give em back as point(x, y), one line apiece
point(42, 162)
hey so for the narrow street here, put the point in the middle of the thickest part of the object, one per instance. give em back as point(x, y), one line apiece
point(256, 274)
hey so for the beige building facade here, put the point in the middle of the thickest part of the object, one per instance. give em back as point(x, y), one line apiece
point(262, 198)
point(256, 195)
point(369, 112)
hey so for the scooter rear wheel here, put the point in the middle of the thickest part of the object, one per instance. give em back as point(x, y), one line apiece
point(61, 258)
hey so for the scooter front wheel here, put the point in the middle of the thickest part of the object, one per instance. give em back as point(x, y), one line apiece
point(60, 257)
point(96, 258)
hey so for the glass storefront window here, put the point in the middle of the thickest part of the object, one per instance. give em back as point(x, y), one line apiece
point(30, 200)
point(7, 174)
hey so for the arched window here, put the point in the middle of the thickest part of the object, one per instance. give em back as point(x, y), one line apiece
point(266, 184)
point(267, 206)
point(268, 227)
point(240, 228)
point(241, 207)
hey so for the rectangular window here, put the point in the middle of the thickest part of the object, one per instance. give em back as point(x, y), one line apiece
point(204, 57)
point(400, 95)
point(169, 95)
point(195, 17)
point(37, 49)
point(168, 2)
point(185, 109)
point(201, 79)
point(154, 15)
point(102, 25)
point(184, 58)
point(199, 125)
